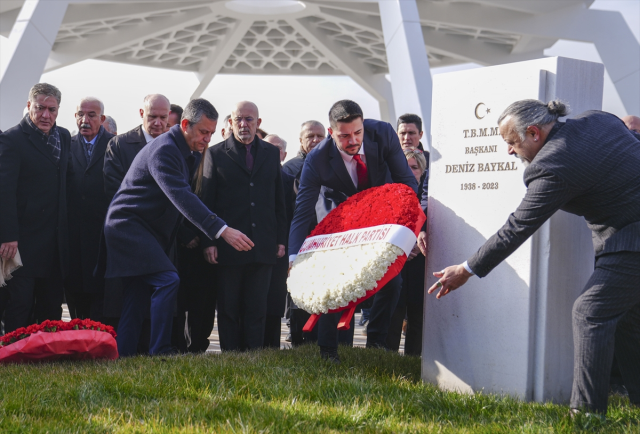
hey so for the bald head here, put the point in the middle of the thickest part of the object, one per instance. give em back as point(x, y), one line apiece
point(155, 114)
point(278, 141)
point(632, 122)
point(245, 120)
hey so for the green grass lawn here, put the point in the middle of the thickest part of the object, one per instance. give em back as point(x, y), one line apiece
point(268, 392)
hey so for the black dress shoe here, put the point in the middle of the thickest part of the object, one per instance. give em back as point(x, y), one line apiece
point(330, 354)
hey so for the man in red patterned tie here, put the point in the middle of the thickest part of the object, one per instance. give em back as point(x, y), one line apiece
point(359, 153)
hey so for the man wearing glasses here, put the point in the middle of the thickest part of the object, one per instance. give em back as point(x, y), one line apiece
point(88, 204)
point(34, 159)
point(243, 184)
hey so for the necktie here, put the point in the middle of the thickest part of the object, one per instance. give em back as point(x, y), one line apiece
point(362, 172)
point(249, 158)
point(89, 149)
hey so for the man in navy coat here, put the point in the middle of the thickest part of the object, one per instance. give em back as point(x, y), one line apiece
point(143, 219)
point(357, 155)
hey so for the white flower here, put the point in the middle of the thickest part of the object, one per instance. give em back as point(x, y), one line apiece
point(329, 279)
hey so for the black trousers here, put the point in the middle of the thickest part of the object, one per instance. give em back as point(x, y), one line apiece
point(196, 301)
point(410, 306)
point(384, 304)
point(31, 300)
point(242, 305)
point(85, 304)
point(606, 319)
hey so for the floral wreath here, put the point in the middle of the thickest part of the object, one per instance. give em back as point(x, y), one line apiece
point(354, 251)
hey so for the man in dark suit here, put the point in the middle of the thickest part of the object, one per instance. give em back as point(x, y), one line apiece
point(143, 219)
point(34, 165)
point(243, 183)
point(357, 155)
point(123, 148)
point(277, 297)
point(121, 151)
point(587, 166)
point(88, 205)
point(311, 133)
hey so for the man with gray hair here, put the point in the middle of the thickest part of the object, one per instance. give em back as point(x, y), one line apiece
point(110, 125)
point(34, 165)
point(311, 133)
point(142, 222)
point(586, 166)
point(279, 143)
point(88, 205)
point(123, 149)
point(226, 130)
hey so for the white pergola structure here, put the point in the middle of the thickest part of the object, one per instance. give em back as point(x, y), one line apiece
point(363, 39)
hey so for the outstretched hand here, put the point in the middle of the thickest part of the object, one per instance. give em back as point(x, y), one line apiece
point(422, 243)
point(237, 239)
point(450, 279)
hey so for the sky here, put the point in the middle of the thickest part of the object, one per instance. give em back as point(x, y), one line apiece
point(285, 102)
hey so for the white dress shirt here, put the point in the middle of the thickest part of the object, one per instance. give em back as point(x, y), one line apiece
point(352, 170)
point(147, 136)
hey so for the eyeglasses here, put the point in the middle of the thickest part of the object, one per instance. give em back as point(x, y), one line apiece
point(90, 115)
point(247, 119)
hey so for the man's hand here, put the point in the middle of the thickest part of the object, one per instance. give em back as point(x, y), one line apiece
point(211, 254)
point(8, 250)
point(414, 252)
point(280, 253)
point(193, 243)
point(237, 239)
point(422, 243)
point(450, 279)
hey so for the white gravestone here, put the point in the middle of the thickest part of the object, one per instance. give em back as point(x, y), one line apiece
point(510, 332)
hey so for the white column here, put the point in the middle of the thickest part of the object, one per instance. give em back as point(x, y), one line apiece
point(30, 43)
point(407, 59)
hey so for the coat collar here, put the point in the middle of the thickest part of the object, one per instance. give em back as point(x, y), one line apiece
point(36, 139)
point(337, 163)
point(233, 148)
point(99, 149)
point(371, 154)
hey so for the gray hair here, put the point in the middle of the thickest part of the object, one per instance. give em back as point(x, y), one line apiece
point(282, 141)
point(46, 90)
point(196, 108)
point(311, 124)
point(92, 99)
point(529, 112)
point(111, 123)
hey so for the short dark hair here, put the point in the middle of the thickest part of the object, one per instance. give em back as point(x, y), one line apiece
point(196, 108)
point(409, 118)
point(344, 111)
point(175, 108)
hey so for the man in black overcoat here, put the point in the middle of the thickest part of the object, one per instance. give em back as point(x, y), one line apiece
point(121, 151)
point(587, 166)
point(123, 148)
point(243, 184)
point(88, 205)
point(34, 165)
point(142, 222)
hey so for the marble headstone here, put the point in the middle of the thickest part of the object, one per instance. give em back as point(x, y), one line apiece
point(510, 332)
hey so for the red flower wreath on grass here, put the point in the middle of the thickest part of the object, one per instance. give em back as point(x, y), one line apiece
point(54, 340)
point(53, 327)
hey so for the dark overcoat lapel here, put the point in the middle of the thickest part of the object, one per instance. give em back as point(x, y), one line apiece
point(337, 163)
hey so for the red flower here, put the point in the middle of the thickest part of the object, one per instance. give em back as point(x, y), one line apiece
point(387, 204)
point(55, 326)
